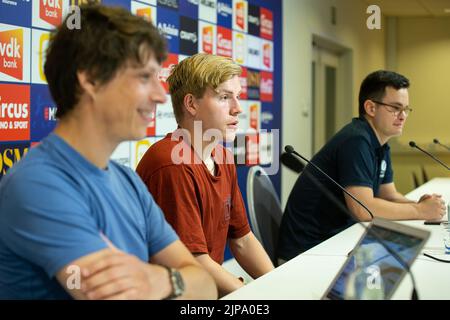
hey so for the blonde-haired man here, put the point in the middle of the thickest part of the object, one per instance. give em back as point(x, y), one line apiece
point(193, 178)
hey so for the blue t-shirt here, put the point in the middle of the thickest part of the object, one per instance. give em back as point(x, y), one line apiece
point(352, 157)
point(54, 204)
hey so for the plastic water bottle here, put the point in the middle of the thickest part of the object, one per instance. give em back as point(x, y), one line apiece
point(366, 282)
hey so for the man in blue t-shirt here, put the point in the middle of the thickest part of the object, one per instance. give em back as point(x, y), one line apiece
point(72, 223)
point(358, 158)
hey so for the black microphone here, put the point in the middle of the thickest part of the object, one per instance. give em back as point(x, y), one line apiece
point(442, 145)
point(289, 149)
point(412, 144)
point(344, 209)
point(292, 162)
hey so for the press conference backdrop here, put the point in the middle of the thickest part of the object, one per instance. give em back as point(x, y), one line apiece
point(247, 31)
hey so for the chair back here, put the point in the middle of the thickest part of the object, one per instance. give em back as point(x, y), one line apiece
point(264, 210)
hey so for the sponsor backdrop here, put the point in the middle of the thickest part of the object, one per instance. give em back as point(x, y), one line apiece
point(247, 31)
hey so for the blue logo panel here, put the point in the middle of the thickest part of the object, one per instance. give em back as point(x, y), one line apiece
point(17, 12)
point(43, 112)
point(224, 13)
point(189, 8)
point(169, 26)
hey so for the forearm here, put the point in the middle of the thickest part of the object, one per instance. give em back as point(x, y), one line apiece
point(198, 283)
point(225, 281)
point(251, 255)
point(398, 198)
point(389, 210)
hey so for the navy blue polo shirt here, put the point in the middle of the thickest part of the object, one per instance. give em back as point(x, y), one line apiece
point(352, 157)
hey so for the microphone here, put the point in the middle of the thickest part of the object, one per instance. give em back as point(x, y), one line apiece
point(292, 162)
point(412, 144)
point(442, 145)
point(289, 149)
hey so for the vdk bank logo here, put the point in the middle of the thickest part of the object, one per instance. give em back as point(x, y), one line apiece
point(51, 11)
point(11, 53)
point(207, 43)
point(240, 15)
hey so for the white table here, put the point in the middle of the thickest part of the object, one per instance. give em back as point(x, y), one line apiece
point(308, 275)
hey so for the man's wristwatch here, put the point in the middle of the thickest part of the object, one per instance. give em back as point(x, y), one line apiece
point(177, 283)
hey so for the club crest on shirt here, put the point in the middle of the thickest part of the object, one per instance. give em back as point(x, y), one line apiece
point(383, 167)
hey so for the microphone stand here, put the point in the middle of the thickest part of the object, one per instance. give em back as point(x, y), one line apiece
point(412, 144)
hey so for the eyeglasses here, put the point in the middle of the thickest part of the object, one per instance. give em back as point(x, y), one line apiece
point(396, 110)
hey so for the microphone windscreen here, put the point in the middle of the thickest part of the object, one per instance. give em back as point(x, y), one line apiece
point(291, 162)
point(412, 144)
point(435, 140)
point(289, 149)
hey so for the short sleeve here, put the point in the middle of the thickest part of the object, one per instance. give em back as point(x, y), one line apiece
point(44, 220)
point(355, 163)
point(174, 189)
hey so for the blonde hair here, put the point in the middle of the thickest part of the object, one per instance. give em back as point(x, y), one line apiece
point(196, 73)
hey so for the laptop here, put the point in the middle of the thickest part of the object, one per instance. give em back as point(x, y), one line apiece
point(370, 271)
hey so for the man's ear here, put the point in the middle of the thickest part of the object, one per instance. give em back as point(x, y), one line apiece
point(190, 104)
point(369, 107)
point(86, 84)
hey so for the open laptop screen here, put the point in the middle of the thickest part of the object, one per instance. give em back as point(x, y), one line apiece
point(370, 271)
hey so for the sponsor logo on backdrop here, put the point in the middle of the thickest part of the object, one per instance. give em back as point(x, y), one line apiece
point(266, 88)
point(188, 35)
point(172, 4)
point(224, 42)
point(43, 112)
point(254, 109)
point(240, 15)
point(224, 9)
point(207, 10)
point(253, 20)
point(254, 52)
point(189, 8)
point(16, 12)
point(243, 80)
point(14, 112)
point(208, 3)
point(208, 36)
point(166, 68)
point(11, 53)
point(10, 153)
point(253, 84)
point(43, 44)
point(168, 24)
point(225, 13)
point(266, 24)
point(239, 48)
point(151, 128)
point(267, 55)
point(168, 29)
point(251, 149)
point(145, 12)
point(50, 11)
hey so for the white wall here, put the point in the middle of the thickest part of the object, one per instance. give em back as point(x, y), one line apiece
point(301, 20)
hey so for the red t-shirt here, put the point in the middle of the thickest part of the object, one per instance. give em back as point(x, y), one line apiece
point(203, 209)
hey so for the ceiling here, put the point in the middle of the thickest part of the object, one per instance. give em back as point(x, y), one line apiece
point(412, 8)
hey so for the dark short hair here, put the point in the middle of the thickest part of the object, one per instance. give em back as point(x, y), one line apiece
point(374, 85)
point(109, 38)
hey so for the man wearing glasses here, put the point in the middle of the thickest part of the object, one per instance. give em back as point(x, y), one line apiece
point(357, 157)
